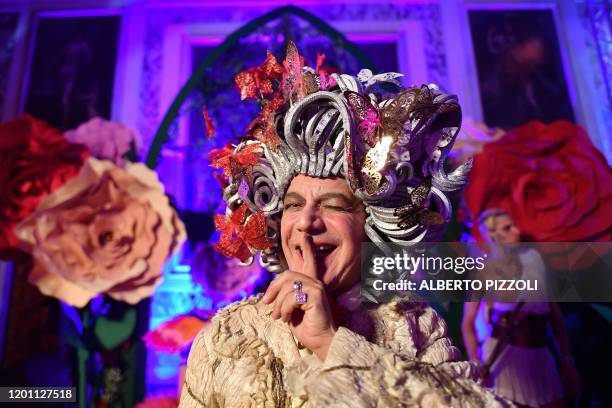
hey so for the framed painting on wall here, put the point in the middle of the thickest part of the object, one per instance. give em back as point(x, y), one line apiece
point(72, 68)
point(8, 29)
point(519, 64)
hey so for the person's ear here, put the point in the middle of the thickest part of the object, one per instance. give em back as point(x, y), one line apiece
point(485, 233)
point(490, 235)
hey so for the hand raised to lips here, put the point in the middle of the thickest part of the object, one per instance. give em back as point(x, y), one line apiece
point(318, 248)
point(321, 252)
point(312, 322)
point(309, 254)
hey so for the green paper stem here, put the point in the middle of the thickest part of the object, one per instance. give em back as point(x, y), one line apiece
point(82, 357)
point(161, 136)
point(111, 332)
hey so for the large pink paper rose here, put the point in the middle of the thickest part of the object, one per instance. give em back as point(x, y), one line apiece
point(105, 140)
point(109, 230)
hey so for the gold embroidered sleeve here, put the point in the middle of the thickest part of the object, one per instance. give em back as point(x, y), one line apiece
point(230, 366)
point(197, 389)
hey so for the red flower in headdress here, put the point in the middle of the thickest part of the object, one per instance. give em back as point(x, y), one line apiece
point(240, 232)
point(210, 127)
point(327, 81)
point(320, 59)
point(223, 182)
point(235, 163)
point(263, 127)
point(259, 79)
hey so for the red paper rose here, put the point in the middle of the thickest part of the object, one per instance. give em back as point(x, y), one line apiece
point(35, 160)
point(159, 402)
point(550, 178)
point(175, 334)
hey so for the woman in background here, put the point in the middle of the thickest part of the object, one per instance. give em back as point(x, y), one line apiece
point(522, 368)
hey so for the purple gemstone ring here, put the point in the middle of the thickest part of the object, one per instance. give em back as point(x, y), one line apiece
point(297, 285)
point(301, 297)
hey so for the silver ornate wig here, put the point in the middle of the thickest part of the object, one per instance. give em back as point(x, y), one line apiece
point(387, 141)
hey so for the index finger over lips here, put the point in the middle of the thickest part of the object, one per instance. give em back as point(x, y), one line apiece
point(310, 263)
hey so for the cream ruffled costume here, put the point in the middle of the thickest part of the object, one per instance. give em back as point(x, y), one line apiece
point(391, 355)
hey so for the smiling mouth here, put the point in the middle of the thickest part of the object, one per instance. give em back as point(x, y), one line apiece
point(320, 251)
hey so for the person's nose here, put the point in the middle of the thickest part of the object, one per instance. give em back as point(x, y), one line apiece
point(309, 221)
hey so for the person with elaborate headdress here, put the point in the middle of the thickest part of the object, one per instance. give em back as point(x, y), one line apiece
point(331, 162)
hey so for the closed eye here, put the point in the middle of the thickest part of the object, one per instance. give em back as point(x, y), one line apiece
point(291, 205)
point(338, 208)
